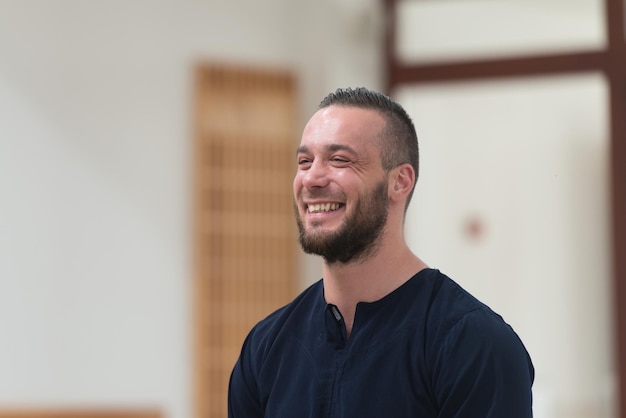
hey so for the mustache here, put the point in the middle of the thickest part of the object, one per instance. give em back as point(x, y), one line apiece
point(323, 194)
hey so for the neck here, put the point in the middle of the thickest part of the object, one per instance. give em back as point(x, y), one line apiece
point(368, 280)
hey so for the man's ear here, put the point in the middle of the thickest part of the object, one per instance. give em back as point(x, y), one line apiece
point(401, 182)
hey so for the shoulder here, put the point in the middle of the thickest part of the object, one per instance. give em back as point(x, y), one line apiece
point(455, 318)
point(450, 304)
point(285, 320)
point(476, 359)
point(246, 384)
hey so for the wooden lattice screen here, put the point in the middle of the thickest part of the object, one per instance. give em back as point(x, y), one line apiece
point(245, 241)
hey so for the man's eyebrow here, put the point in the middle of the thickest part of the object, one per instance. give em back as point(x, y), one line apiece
point(329, 148)
point(340, 147)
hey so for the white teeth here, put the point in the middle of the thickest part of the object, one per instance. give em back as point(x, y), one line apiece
point(323, 207)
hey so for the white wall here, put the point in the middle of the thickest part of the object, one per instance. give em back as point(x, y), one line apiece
point(95, 135)
point(527, 160)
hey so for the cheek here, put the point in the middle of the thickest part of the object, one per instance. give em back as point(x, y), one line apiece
point(297, 185)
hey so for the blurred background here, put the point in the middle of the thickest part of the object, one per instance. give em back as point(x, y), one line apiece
point(114, 284)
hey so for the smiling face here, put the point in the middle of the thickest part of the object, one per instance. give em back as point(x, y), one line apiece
point(340, 187)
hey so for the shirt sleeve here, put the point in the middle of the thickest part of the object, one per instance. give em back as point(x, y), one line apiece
point(482, 370)
point(243, 396)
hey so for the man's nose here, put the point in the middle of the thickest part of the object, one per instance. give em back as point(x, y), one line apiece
point(315, 176)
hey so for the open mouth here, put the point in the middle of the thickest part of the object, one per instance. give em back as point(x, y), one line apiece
point(323, 207)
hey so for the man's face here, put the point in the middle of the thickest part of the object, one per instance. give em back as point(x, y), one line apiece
point(340, 187)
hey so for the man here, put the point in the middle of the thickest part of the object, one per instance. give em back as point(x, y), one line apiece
point(382, 334)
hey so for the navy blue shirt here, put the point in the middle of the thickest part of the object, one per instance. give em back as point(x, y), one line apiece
point(428, 349)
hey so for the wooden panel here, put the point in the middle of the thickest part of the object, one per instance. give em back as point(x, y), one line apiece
point(245, 240)
point(78, 413)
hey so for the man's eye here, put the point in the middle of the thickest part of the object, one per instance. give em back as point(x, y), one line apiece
point(339, 160)
point(303, 161)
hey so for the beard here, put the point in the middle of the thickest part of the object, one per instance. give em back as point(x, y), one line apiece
point(357, 237)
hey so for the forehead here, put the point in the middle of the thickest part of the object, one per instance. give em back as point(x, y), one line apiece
point(351, 126)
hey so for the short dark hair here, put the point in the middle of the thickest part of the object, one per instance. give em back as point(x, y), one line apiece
point(398, 140)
